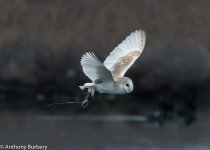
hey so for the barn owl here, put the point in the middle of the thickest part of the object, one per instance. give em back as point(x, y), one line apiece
point(108, 77)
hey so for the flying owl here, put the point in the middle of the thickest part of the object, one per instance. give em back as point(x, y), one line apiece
point(108, 77)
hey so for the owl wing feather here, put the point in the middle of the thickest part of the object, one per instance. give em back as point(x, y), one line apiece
point(94, 69)
point(125, 54)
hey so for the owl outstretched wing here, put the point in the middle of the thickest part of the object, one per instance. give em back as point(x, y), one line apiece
point(94, 69)
point(125, 54)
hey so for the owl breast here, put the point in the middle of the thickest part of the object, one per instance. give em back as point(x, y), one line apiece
point(109, 88)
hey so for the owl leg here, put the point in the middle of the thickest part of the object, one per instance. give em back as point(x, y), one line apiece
point(89, 94)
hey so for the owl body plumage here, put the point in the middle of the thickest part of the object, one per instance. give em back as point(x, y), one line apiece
point(108, 77)
point(105, 87)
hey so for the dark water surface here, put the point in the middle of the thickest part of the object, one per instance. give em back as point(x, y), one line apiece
point(67, 132)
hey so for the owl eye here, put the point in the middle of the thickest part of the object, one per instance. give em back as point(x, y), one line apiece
point(127, 85)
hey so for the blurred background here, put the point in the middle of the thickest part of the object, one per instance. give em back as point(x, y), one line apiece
point(41, 44)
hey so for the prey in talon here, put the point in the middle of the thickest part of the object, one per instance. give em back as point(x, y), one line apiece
point(108, 77)
point(86, 101)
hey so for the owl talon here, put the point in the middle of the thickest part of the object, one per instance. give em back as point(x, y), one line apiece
point(85, 102)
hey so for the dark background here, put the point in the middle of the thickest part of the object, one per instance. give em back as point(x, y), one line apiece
point(41, 43)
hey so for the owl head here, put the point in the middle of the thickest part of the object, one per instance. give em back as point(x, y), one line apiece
point(128, 85)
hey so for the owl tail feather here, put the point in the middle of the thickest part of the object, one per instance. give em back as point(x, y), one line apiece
point(82, 87)
point(87, 85)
